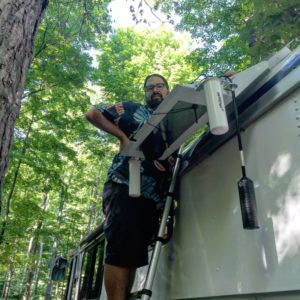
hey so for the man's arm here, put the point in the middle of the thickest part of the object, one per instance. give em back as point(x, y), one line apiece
point(95, 117)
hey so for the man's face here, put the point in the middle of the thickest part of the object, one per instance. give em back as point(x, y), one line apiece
point(155, 91)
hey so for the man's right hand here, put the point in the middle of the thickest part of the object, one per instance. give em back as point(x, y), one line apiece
point(124, 140)
point(95, 117)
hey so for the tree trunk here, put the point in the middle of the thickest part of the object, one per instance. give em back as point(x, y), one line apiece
point(94, 213)
point(30, 273)
point(24, 272)
point(18, 22)
point(12, 189)
point(6, 287)
point(33, 247)
point(53, 256)
point(37, 273)
point(62, 197)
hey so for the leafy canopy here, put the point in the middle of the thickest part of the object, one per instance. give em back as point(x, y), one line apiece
point(127, 57)
point(235, 33)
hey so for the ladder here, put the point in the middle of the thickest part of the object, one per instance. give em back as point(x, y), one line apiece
point(146, 292)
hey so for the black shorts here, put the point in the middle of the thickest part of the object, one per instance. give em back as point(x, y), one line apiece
point(130, 225)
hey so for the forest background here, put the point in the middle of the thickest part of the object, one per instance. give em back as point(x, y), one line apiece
point(51, 196)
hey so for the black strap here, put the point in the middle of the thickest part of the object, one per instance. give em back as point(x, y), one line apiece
point(146, 292)
point(160, 239)
point(180, 156)
point(171, 194)
point(194, 107)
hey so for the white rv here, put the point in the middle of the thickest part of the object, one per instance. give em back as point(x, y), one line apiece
point(211, 256)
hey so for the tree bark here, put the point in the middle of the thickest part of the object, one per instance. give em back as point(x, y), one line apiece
point(19, 20)
point(53, 256)
point(30, 272)
point(6, 287)
point(37, 273)
point(62, 197)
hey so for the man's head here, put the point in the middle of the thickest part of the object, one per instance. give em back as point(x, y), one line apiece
point(156, 89)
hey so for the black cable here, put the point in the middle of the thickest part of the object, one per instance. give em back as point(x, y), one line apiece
point(245, 184)
point(238, 127)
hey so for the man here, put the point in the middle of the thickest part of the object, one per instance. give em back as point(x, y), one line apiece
point(130, 223)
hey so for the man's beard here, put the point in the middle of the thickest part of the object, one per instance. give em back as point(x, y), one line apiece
point(154, 100)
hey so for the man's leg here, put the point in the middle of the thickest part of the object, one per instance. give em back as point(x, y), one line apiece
point(127, 238)
point(118, 282)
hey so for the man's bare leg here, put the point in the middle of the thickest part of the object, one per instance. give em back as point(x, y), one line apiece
point(118, 282)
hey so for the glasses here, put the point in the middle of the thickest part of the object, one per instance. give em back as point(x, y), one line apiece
point(151, 87)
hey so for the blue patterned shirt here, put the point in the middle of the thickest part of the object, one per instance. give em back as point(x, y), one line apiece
point(130, 117)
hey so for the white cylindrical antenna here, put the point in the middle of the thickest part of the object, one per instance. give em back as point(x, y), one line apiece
point(215, 106)
point(134, 177)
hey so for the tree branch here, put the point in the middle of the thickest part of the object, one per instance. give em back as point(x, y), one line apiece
point(153, 13)
point(40, 90)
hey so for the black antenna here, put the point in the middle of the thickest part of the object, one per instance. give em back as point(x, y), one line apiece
point(245, 184)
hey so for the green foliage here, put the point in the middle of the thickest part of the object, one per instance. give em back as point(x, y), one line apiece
point(54, 167)
point(235, 33)
point(129, 56)
point(82, 22)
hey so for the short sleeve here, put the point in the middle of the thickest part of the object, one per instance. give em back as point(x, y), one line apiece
point(112, 112)
point(124, 115)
